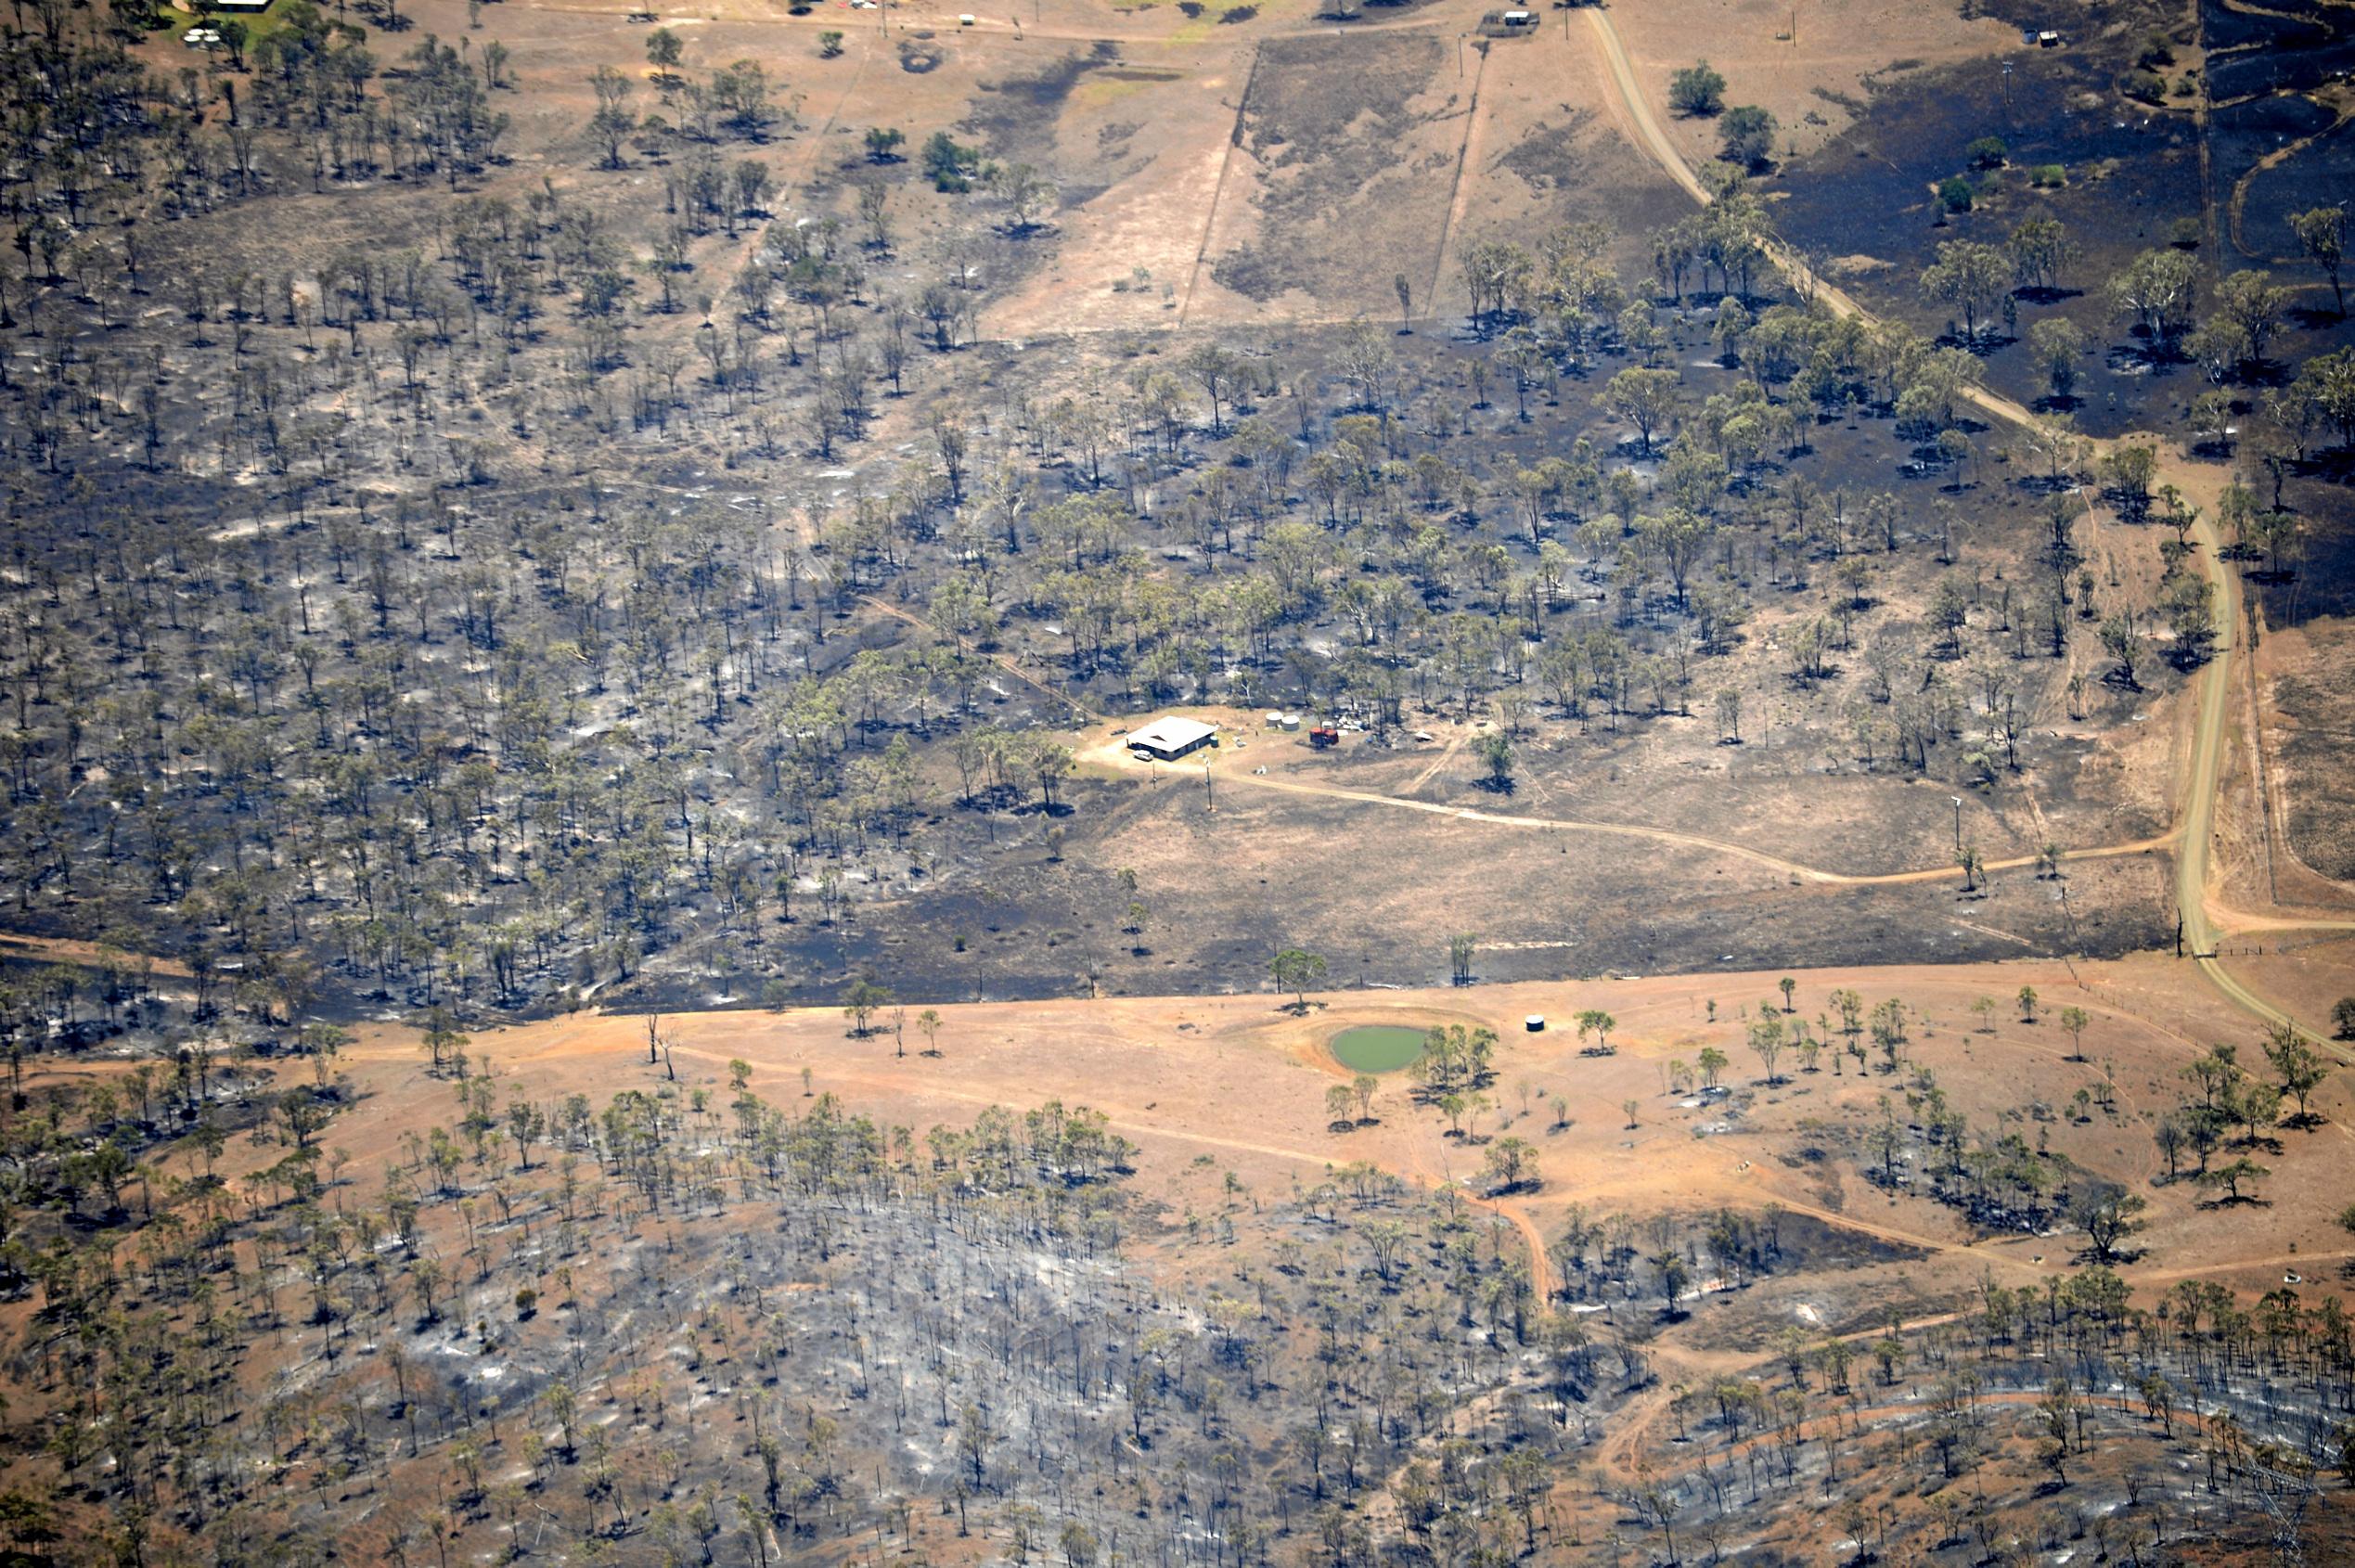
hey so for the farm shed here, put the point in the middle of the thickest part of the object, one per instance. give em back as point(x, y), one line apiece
point(1170, 736)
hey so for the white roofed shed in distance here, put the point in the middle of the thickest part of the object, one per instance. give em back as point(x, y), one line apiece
point(1172, 735)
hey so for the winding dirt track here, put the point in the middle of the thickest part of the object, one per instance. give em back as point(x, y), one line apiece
point(2237, 203)
point(1115, 757)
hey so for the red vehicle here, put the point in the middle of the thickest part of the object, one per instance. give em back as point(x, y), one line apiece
point(1324, 735)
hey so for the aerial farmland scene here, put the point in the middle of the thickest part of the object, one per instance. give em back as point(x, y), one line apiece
point(1178, 783)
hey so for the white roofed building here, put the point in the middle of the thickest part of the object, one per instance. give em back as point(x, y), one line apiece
point(1171, 736)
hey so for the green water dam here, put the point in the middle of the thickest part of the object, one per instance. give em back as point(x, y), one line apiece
point(1377, 1047)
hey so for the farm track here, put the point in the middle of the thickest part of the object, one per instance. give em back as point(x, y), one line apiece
point(816, 140)
point(1796, 870)
point(1541, 1280)
point(2236, 205)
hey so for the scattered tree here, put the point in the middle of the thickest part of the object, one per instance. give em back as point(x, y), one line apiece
point(1295, 970)
point(1696, 90)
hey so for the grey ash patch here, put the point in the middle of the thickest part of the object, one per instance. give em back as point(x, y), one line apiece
point(1545, 158)
point(1017, 114)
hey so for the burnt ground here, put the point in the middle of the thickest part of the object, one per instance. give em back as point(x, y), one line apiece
point(1033, 902)
point(858, 1316)
point(2273, 49)
point(998, 910)
point(1001, 911)
point(1379, 894)
point(2277, 136)
point(2321, 583)
point(1016, 113)
point(1040, 918)
point(2313, 700)
point(1871, 194)
point(2326, 1530)
point(2132, 169)
point(2273, 192)
point(1333, 159)
point(1037, 920)
point(1828, 1279)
